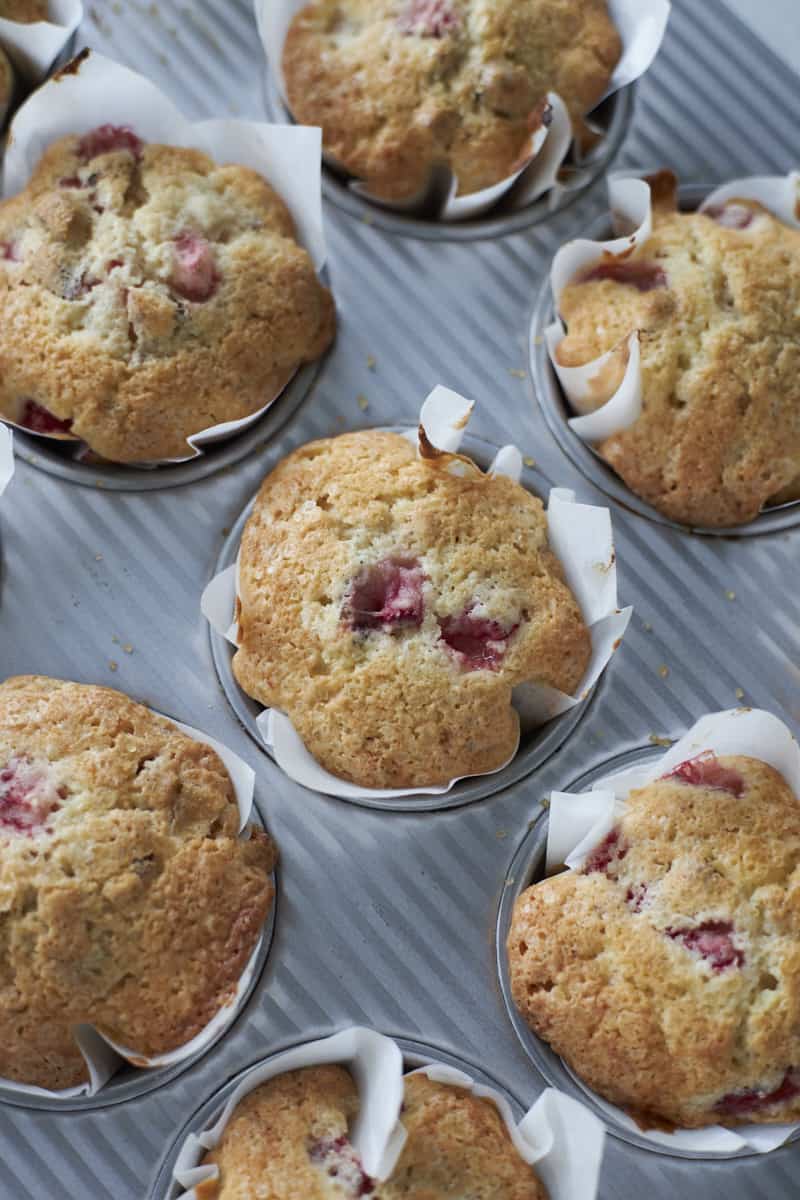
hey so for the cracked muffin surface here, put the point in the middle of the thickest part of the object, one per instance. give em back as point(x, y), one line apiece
point(390, 606)
point(715, 298)
point(127, 899)
point(400, 86)
point(146, 294)
point(666, 971)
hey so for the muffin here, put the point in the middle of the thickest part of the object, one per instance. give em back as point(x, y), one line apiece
point(390, 606)
point(24, 11)
point(129, 901)
point(715, 298)
point(147, 293)
point(6, 84)
point(666, 972)
point(289, 1138)
point(402, 86)
point(458, 1146)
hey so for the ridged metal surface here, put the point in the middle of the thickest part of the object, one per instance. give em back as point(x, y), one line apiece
point(384, 918)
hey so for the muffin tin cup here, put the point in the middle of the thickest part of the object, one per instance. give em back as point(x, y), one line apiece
point(528, 867)
point(287, 159)
point(535, 747)
point(615, 115)
point(130, 1081)
point(557, 411)
point(415, 1056)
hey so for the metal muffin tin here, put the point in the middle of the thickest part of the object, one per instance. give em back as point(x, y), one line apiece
point(388, 919)
point(415, 1054)
point(535, 747)
point(557, 410)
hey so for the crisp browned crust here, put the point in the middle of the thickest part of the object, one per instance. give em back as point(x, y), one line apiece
point(146, 295)
point(132, 905)
point(398, 708)
point(401, 86)
point(24, 11)
point(267, 1146)
point(601, 967)
point(458, 1146)
point(719, 435)
point(6, 82)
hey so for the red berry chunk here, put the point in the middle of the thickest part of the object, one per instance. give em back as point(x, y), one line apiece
point(194, 274)
point(477, 642)
point(731, 215)
point(429, 18)
point(27, 796)
point(106, 138)
point(644, 276)
point(705, 770)
point(604, 857)
point(339, 1159)
point(8, 251)
point(753, 1100)
point(636, 896)
point(713, 942)
point(387, 596)
point(71, 181)
point(39, 420)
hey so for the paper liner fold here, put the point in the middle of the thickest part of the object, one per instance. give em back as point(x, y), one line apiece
point(103, 1056)
point(631, 208)
point(33, 48)
point(580, 536)
point(288, 157)
point(578, 822)
point(641, 24)
point(6, 457)
point(558, 1135)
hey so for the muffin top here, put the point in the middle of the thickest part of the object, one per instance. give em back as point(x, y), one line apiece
point(458, 1146)
point(400, 86)
point(715, 297)
point(24, 11)
point(289, 1138)
point(666, 971)
point(130, 902)
point(389, 606)
point(147, 293)
point(6, 82)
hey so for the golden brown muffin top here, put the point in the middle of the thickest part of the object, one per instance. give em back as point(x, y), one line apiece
point(24, 11)
point(399, 86)
point(666, 971)
point(390, 606)
point(715, 297)
point(129, 901)
point(147, 293)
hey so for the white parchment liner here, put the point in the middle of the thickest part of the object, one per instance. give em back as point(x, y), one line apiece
point(6, 457)
point(33, 48)
point(579, 822)
point(631, 210)
point(641, 23)
point(559, 1135)
point(103, 92)
point(105, 1057)
point(581, 537)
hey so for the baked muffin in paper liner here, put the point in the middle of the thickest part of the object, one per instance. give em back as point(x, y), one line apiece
point(662, 963)
point(162, 810)
point(171, 297)
point(578, 549)
point(383, 1124)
